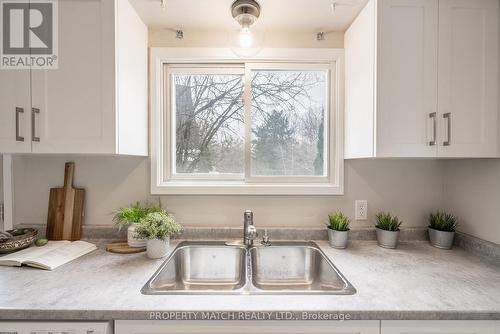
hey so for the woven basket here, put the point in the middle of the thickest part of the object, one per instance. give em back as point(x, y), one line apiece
point(18, 242)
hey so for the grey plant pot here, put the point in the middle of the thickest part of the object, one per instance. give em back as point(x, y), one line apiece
point(441, 239)
point(387, 239)
point(338, 239)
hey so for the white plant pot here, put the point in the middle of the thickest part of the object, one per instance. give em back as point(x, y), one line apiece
point(387, 239)
point(132, 241)
point(338, 239)
point(157, 248)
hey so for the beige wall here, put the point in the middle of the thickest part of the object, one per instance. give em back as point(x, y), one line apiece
point(1, 178)
point(1, 188)
point(408, 188)
point(472, 192)
point(166, 38)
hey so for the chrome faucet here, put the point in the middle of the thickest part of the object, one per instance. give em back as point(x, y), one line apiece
point(249, 230)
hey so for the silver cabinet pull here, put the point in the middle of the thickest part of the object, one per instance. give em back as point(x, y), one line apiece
point(433, 116)
point(18, 111)
point(448, 139)
point(34, 111)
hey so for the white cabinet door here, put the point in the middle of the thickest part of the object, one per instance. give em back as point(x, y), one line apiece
point(468, 61)
point(75, 101)
point(15, 111)
point(246, 327)
point(31, 327)
point(407, 52)
point(359, 120)
point(437, 327)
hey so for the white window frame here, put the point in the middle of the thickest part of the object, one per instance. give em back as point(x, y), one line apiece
point(159, 135)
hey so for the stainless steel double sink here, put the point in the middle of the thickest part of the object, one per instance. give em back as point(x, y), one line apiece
point(221, 268)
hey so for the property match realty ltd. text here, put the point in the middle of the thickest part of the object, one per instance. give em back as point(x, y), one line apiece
point(248, 315)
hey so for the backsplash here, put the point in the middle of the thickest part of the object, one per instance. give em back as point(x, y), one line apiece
point(408, 188)
point(1, 193)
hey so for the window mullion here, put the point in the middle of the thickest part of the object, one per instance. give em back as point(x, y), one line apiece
point(168, 135)
point(171, 123)
point(247, 101)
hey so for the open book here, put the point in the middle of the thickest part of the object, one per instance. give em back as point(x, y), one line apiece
point(50, 256)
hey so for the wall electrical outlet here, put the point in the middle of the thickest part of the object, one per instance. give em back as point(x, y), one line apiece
point(361, 210)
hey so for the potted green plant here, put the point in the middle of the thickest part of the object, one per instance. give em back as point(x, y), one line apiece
point(442, 227)
point(387, 229)
point(130, 216)
point(157, 228)
point(338, 229)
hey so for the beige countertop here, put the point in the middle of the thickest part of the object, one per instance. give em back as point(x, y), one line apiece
point(415, 281)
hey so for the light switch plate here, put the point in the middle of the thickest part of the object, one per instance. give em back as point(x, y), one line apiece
point(361, 209)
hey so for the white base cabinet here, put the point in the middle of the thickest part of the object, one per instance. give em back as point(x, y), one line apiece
point(53, 327)
point(308, 327)
point(439, 327)
point(246, 327)
point(95, 102)
point(422, 79)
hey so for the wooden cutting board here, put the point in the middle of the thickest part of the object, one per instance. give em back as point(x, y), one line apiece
point(64, 221)
point(122, 247)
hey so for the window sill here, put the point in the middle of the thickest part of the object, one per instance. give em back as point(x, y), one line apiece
point(240, 188)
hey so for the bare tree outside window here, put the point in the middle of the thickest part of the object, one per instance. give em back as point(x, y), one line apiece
point(288, 115)
point(287, 123)
point(209, 116)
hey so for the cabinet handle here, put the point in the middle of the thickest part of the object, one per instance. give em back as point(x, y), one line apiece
point(18, 111)
point(433, 116)
point(448, 137)
point(34, 111)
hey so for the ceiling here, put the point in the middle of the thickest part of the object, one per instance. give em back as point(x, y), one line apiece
point(278, 15)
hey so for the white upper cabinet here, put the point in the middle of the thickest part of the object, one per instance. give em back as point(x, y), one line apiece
point(96, 100)
point(74, 101)
point(406, 77)
point(359, 121)
point(467, 84)
point(15, 111)
point(415, 68)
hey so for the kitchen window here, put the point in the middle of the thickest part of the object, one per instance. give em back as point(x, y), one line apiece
point(236, 127)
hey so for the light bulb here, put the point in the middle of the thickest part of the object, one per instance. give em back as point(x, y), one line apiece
point(246, 38)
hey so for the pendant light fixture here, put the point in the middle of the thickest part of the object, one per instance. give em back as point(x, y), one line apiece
point(246, 12)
